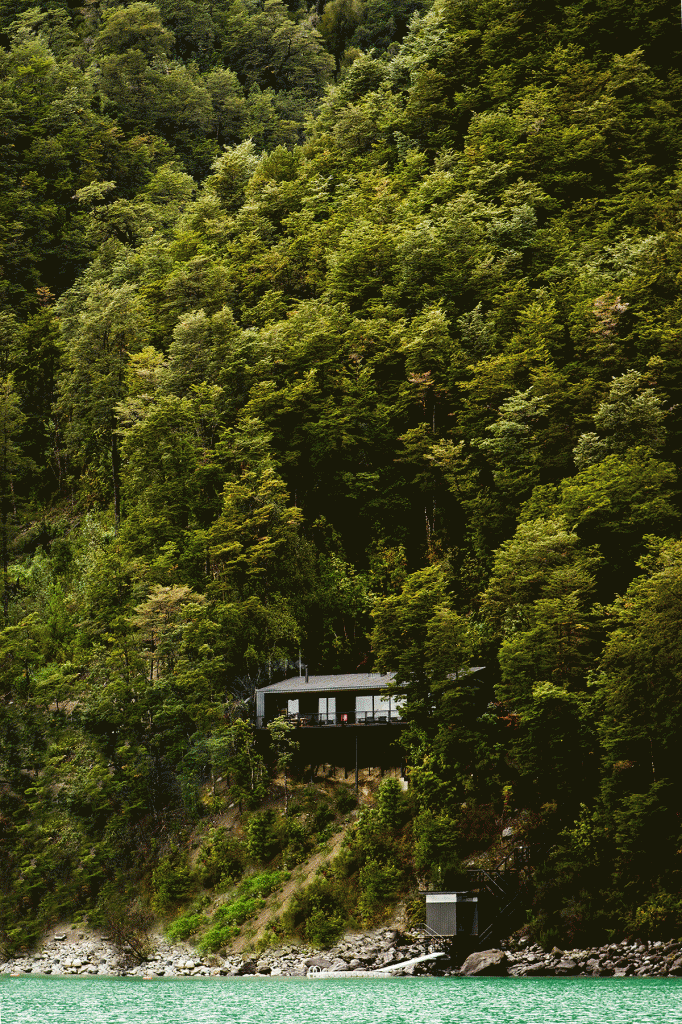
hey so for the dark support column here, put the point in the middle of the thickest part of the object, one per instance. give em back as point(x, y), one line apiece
point(345, 771)
point(356, 762)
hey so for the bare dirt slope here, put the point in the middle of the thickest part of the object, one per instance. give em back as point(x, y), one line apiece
point(301, 876)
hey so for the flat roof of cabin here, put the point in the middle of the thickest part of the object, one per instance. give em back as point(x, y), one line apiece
point(349, 681)
point(321, 684)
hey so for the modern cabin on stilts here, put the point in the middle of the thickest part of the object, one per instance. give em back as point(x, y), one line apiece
point(351, 720)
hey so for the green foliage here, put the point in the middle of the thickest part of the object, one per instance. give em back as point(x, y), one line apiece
point(345, 799)
point(284, 747)
point(362, 883)
point(247, 903)
point(438, 838)
point(238, 911)
point(183, 927)
point(319, 910)
point(379, 885)
point(221, 859)
point(172, 884)
point(298, 843)
point(661, 914)
point(262, 839)
point(323, 930)
point(263, 883)
point(391, 803)
point(218, 936)
point(351, 331)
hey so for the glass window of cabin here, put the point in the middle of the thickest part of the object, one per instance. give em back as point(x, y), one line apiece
point(292, 707)
point(326, 707)
point(363, 708)
point(382, 706)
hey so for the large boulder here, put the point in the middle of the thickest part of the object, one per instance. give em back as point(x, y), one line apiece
point(247, 968)
point(566, 966)
point(486, 963)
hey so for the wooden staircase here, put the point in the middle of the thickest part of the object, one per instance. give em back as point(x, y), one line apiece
point(507, 887)
point(503, 891)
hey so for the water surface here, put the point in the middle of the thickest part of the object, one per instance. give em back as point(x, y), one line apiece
point(44, 1000)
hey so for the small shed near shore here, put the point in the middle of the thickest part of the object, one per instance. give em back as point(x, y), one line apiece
point(451, 914)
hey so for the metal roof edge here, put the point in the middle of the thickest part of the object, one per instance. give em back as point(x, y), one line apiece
point(342, 681)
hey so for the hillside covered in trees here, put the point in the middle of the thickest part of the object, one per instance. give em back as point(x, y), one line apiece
point(350, 329)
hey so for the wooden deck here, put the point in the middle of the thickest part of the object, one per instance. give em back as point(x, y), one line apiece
point(338, 719)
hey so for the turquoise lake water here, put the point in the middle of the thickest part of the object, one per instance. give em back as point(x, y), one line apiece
point(35, 1000)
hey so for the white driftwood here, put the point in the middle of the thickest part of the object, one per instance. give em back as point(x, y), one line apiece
point(408, 963)
point(382, 972)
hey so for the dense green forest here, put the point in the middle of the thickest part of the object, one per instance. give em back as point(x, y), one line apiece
point(351, 329)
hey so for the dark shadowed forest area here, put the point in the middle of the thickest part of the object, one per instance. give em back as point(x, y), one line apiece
point(351, 329)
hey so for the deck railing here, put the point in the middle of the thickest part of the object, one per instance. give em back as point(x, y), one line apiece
point(336, 718)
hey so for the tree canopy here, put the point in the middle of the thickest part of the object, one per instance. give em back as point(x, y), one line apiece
point(346, 331)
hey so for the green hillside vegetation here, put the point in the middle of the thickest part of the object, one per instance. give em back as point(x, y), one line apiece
point(354, 330)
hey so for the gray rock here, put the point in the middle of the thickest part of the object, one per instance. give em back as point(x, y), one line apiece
point(566, 966)
point(535, 970)
point(248, 968)
point(676, 967)
point(318, 961)
point(486, 963)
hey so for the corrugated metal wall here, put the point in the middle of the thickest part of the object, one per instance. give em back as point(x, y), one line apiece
point(452, 918)
point(442, 918)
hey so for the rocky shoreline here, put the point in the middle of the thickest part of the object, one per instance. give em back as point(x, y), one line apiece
point(624, 960)
point(617, 960)
point(81, 954)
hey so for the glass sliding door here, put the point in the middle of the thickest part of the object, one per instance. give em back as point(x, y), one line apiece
point(364, 709)
point(326, 709)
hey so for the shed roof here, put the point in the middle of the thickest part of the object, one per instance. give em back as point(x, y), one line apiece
point(348, 681)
